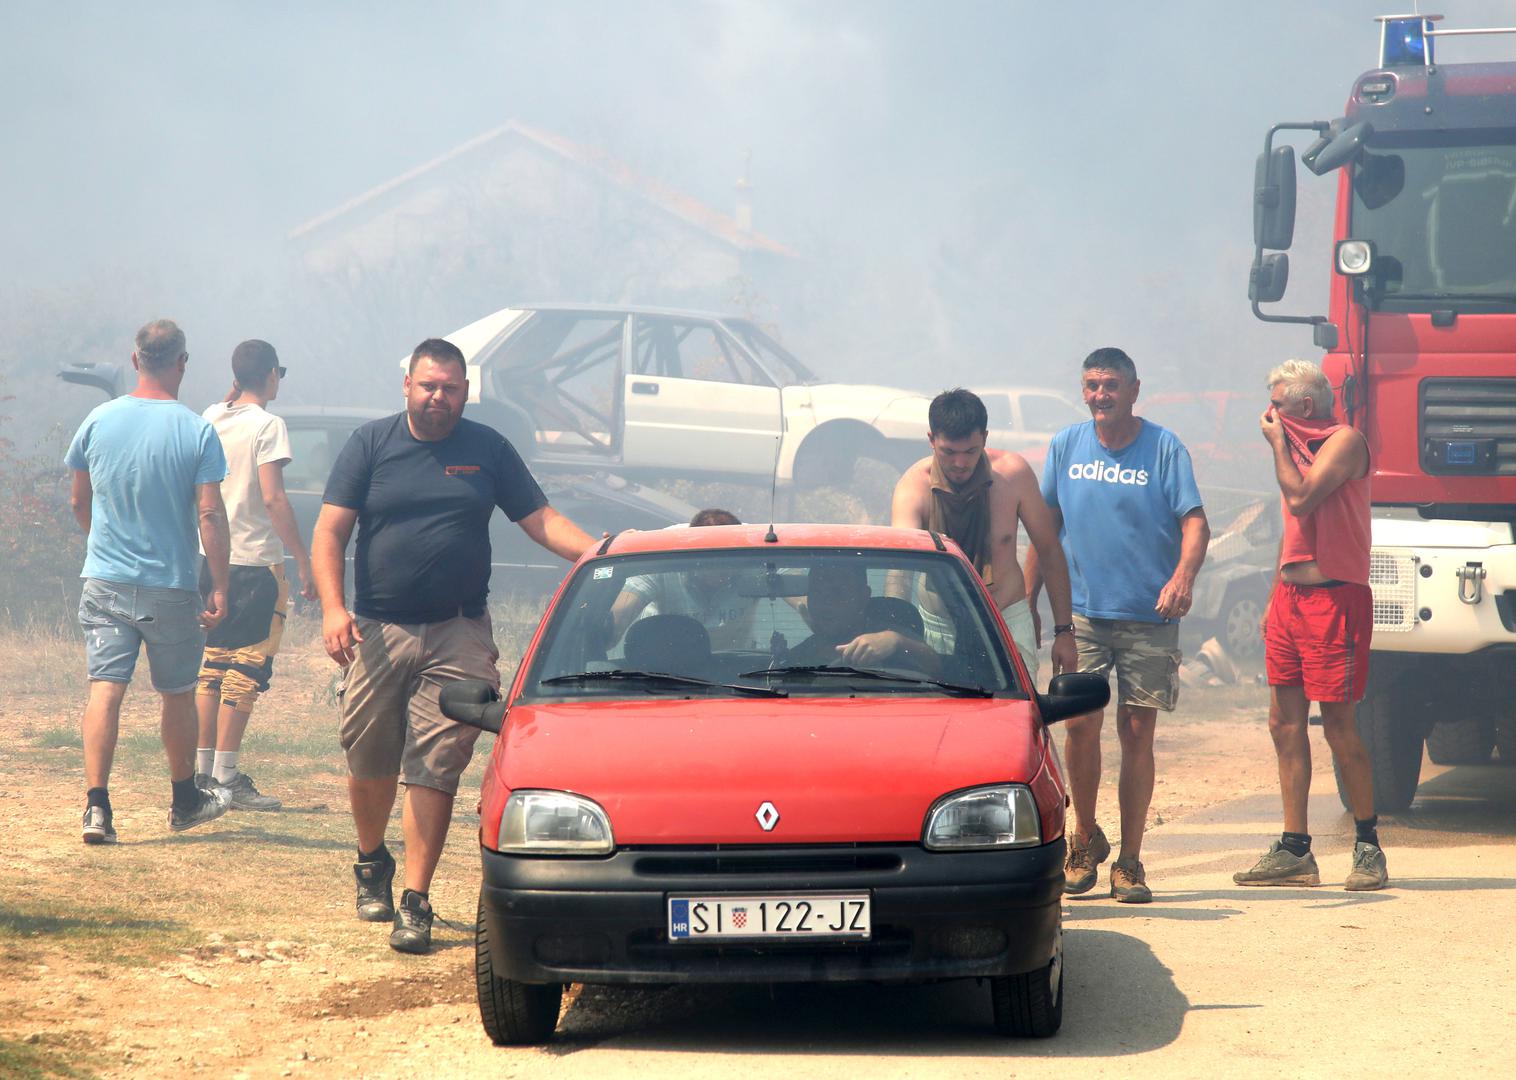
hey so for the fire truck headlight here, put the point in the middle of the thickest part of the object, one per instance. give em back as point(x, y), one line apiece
point(1355, 257)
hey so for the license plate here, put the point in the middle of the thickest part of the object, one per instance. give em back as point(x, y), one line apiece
point(803, 915)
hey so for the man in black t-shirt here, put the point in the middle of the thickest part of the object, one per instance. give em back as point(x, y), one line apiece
point(421, 487)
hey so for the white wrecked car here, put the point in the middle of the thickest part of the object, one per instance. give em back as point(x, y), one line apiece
point(653, 390)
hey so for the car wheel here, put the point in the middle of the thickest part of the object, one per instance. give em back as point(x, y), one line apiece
point(829, 455)
point(1390, 727)
point(1030, 1005)
point(1461, 742)
point(513, 1013)
point(1241, 611)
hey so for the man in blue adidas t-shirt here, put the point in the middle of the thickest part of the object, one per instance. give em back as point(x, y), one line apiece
point(1123, 493)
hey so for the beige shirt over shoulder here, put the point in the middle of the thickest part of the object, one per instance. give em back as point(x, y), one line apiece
point(251, 436)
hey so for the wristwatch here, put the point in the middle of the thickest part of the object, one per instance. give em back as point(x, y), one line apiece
point(1063, 628)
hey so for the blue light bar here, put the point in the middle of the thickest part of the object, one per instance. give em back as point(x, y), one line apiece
point(1406, 41)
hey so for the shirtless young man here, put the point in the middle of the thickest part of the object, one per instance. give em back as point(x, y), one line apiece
point(976, 497)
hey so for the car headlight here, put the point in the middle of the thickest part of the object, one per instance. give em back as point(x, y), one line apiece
point(989, 817)
point(554, 823)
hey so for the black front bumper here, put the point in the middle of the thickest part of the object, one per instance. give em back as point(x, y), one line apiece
point(935, 915)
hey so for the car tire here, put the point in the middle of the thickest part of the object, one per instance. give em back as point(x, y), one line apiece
point(1469, 741)
point(514, 1013)
point(829, 455)
point(1030, 1006)
point(1392, 734)
point(1241, 612)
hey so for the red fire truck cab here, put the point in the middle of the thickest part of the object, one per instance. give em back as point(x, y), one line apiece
point(1420, 346)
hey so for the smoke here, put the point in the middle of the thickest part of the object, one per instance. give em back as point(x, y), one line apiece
point(978, 192)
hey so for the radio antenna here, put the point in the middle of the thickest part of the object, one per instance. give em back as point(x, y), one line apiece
point(771, 537)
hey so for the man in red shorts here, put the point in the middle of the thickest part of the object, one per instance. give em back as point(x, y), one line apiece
point(1320, 618)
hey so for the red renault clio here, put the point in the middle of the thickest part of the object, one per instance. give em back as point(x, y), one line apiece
point(738, 754)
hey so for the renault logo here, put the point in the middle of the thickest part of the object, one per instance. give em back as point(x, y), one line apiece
point(767, 816)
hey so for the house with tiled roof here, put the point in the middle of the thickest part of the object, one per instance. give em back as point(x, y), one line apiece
point(518, 211)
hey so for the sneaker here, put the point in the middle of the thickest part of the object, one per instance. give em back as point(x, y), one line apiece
point(413, 924)
point(211, 805)
point(1084, 860)
point(1129, 882)
point(376, 897)
point(1369, 869)
point(97, 826)
point(244, 796)
point(1280, 866)
point(204, 781)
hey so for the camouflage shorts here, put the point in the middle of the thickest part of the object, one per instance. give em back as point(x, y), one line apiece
point(1144, 654)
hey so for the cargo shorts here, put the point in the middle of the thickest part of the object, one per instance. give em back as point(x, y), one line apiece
point(392, 723)
point(1144, 654)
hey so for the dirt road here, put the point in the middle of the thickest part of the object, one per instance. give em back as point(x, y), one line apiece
point(231, 951)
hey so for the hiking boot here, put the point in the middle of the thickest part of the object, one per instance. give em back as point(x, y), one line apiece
point(97, 826)
point(376, 896)
point(1280, 866)
point(244, 796)
point(1369, 869)
point(413, 924)
point(1129, 882)
point(1084, 860)
point(210, 805)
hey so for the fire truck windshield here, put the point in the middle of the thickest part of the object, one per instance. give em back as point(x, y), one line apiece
point(1440, 209)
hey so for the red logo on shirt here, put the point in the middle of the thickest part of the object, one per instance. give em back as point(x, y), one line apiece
point(460, 470)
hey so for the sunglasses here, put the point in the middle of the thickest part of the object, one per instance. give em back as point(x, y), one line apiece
point(282, 370)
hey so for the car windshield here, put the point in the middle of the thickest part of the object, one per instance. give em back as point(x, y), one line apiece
point(1441, 212)
point(787, 371)
point(797, 621)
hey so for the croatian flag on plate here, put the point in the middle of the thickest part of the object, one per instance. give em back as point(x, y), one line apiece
point(739, 917)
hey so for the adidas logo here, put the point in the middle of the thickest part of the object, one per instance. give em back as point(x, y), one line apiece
point(1108, 474)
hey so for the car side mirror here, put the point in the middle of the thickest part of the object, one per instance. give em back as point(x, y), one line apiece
point(1268, 278)
point(1071, 694)
point(1274, 199)
point(1332, 151)
point(473, 702)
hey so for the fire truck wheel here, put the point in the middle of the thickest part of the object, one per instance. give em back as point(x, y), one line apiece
point(1505, 740)
point(1461, 742)
point(1389, 724)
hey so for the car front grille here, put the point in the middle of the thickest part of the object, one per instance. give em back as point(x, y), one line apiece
point(756, 861)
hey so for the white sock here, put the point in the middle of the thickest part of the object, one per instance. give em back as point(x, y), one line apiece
point(226, 766)
point(204, 759)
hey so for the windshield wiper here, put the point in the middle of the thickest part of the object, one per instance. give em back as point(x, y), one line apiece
point(838, 670)
point(631, 675)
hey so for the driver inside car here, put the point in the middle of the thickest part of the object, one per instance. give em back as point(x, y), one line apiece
point(851, 630)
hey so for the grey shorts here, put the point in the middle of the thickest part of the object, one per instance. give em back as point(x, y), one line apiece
point(119, 619)
point(1144, 654)
point(391, 722)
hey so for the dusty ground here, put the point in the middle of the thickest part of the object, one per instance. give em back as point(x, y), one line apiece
point(232, 952)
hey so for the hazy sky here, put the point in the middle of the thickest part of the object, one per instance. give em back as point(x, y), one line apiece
point(1091, 162)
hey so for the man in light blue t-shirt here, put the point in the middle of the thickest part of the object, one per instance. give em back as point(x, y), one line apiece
point(1130, 518)
point(145, 469)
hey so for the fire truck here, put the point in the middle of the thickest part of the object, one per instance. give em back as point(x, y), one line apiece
point(1420, 347)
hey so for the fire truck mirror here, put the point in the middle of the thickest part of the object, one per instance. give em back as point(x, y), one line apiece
point(1268, 278)
point(1274, 199)
point(1378, 178)
point(1335, 150)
